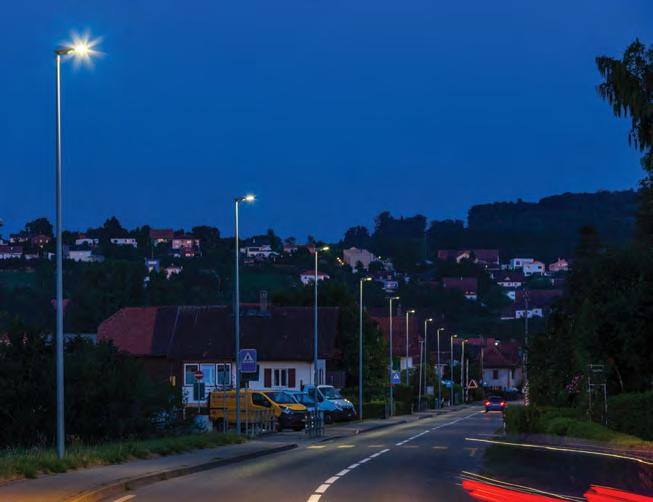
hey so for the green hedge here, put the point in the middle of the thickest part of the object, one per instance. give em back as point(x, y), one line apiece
point(375, 409)
point(561, 422)
point(632, 414)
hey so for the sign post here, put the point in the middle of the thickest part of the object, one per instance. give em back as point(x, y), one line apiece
point(198, 388)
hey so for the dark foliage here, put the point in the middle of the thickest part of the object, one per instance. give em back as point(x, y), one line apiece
point(108, 395)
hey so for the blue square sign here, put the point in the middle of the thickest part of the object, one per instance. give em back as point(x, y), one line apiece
point(247, 359)
point(395, 377)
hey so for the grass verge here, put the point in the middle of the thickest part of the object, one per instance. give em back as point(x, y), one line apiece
point(565, 422)
point(28, 463)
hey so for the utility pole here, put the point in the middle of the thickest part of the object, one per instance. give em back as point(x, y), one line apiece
point(525, 352)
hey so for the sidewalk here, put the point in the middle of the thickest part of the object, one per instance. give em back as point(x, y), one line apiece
point(95, 483)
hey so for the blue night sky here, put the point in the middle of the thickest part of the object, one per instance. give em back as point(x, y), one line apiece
point(329, 111)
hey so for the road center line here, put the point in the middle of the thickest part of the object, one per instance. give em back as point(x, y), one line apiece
point(317, 494)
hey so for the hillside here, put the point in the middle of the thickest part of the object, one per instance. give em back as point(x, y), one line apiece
point(547, 228)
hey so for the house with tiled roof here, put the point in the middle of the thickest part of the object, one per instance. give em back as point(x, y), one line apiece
point(10, 252)
point(502, 366)
point(161, 236)
point(175, 341)
point(467, 285)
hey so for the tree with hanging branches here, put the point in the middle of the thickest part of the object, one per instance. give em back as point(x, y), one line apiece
point(628, 87)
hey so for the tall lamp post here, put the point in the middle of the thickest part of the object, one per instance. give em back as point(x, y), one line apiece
point(439, 371)
point(392, 298)
point(451, 369)
point(237, 201)
point(360, 346)
point(81, 49)
point(426, 349)
point(408, 312)
point(315, 371)
point(462, 370)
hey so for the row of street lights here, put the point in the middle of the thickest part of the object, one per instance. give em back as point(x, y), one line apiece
point(82, 50)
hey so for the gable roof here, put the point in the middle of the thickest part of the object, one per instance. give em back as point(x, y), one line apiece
point(207, 332)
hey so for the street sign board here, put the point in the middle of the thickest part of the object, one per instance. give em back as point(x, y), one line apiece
point(247, 360)
point(472, 384)
point(199, 375)
point(395, 378)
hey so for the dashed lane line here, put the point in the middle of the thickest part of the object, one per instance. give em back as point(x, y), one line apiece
point(319, 491)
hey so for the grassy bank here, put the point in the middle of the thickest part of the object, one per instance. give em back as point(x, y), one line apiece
point(28, 463)
point(564, 422)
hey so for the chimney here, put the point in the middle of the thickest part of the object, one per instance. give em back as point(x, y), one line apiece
point(263, 300)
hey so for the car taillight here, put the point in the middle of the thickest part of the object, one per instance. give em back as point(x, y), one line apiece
point(487, 403)
point(503, 403)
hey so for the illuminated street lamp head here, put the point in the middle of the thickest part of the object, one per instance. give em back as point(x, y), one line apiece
point(324, 248)
point(410, 312)
point(366, 279)
point(429, 319)
point(81, 48)
point(394, 298)
point(246, 198)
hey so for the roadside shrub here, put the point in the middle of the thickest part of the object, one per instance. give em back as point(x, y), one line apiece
point(108, 394)
point(521, 419)
point(632, 413)
point(375, 409)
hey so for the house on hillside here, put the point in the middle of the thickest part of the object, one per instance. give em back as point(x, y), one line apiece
point(124, 241)
point(560, 265)
point(84, 240)
point(399, 336)
point(262, 252)
point(510, 279)
point(174, 342)
point(293, 248)
point(516, 263)
point(531, 303)
point(39, 240)
point(10, 252)
point(355, 257)
point(487, 258)
point(467, 285)
point(308, 276)
point(83, 255)
point(161, 236)
point(533, 268)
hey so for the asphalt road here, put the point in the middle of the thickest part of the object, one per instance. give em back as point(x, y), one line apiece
point(417, 461)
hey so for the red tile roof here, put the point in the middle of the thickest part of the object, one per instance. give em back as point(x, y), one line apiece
point(131, 329)
point(468, 285)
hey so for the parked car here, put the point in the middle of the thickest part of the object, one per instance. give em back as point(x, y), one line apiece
point(332, 403)
point(287, 412)
point(494, 403)
point(303, 398)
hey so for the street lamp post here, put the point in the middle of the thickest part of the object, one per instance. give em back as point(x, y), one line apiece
point(408, 312)
point(439, 371)
point(360, 346)
point(392, 298)
point(315, 371)
point(426, 349)
point(462, 370)
point(451, 369)
point(237, 201)
point(80, 49)
point(421, 365)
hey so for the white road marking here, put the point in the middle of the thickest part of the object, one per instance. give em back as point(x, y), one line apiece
point(125, 498)
point(322, 488)
point(315, 496)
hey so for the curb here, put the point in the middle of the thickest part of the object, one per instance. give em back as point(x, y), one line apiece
point(98, 494)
